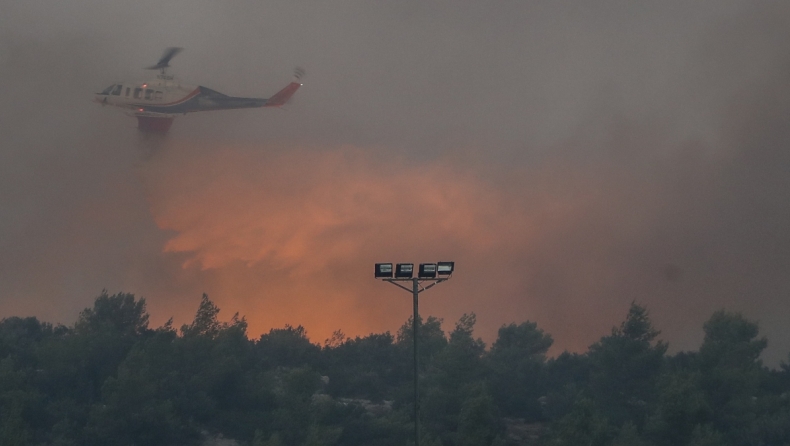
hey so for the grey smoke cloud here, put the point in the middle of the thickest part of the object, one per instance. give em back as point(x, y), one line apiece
point(641, 146)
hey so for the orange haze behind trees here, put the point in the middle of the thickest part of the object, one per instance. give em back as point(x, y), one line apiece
point(291, 236)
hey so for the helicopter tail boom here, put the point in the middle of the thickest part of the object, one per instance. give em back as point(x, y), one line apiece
point(282, 96)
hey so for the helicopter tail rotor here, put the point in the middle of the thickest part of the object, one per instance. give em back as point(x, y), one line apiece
point(299, 72)
point(282, 96)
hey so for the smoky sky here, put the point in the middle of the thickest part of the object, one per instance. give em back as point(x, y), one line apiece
point(570, 156)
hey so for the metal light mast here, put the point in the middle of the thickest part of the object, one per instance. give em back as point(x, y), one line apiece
point(428, 276)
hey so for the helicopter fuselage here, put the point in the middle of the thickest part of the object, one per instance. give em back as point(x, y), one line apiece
point(168, 96)
point(155, 103)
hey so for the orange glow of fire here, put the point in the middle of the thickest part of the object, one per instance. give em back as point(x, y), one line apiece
point(292, 236)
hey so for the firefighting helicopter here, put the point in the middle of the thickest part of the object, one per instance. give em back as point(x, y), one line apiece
point(156, 103)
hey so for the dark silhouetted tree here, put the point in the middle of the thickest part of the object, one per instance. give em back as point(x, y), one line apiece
point(517, 360)
point(625, 367)
point(732, 372)
point(120, 313)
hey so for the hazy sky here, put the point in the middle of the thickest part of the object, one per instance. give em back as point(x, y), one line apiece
point(570, 156)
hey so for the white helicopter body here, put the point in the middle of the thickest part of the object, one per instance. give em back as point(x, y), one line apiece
point(157, 102)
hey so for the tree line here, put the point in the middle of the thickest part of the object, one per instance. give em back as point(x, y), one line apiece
point(110, 379)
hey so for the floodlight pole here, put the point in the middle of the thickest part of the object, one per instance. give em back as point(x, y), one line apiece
point(416, 289)
point(415, 325)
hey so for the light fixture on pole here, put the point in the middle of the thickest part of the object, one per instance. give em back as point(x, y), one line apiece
point(428, 276)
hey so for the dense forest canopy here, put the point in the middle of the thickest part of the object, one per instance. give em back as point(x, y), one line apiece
point(111, 379)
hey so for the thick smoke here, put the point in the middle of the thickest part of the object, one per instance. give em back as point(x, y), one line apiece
point(569, 157)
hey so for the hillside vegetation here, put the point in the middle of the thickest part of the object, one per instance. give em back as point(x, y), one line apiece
point(110, 379)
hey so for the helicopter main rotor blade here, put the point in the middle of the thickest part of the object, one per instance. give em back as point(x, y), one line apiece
point(164, 61)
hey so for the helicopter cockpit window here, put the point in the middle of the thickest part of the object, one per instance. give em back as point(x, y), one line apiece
point(117, 90)
point(108, 89)
point(138, 93)
point(148, 93)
